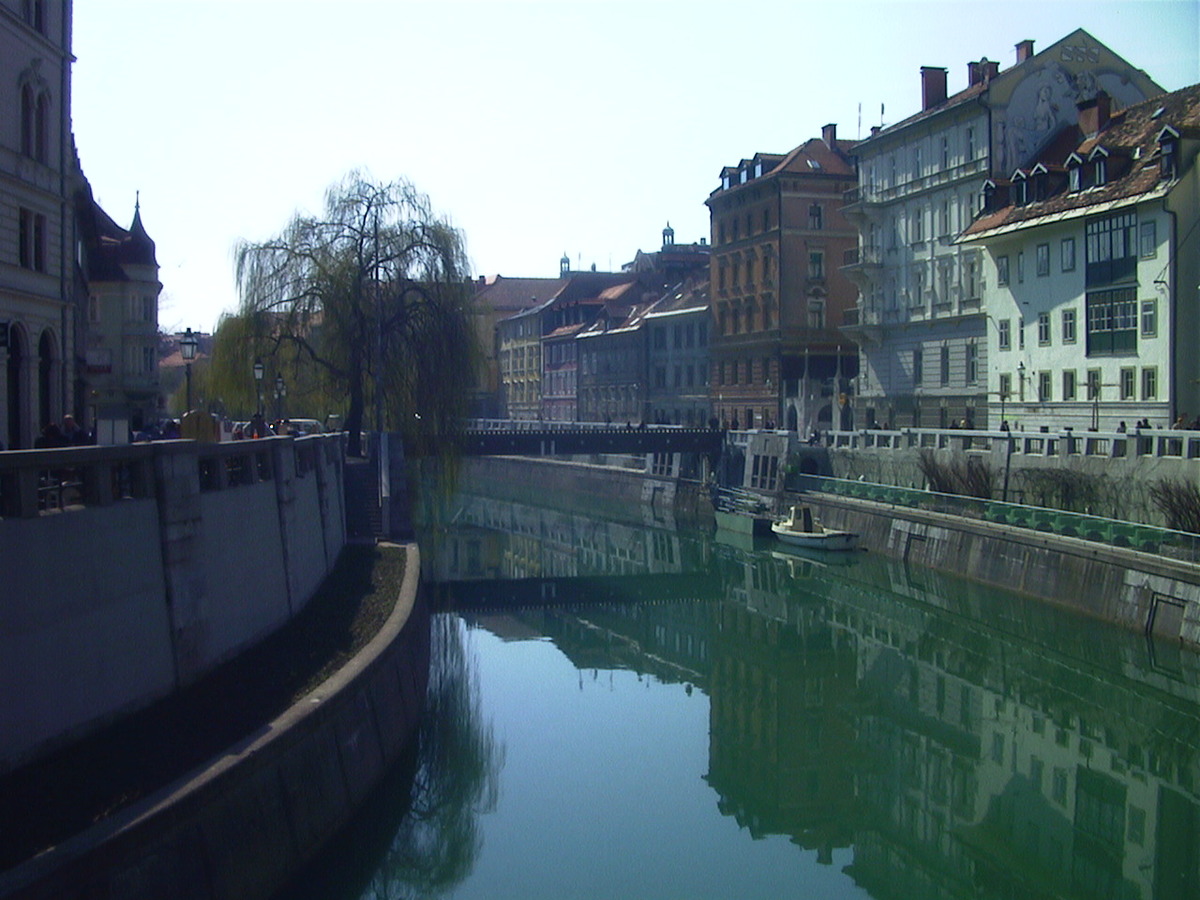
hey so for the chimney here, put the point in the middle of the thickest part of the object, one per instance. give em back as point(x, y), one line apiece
point(875, 129)
point(1094, 114)
point(933, 86)
point(982, 72)
point(1024, 50)
point(829, 136)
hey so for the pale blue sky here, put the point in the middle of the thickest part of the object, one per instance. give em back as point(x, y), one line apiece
point(537, 127)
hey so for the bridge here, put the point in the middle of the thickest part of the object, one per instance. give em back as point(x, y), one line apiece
point(527, 438)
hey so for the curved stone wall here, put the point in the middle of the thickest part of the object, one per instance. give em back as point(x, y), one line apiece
point(238, 828)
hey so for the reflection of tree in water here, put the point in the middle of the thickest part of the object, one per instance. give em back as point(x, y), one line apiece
point(456, 779)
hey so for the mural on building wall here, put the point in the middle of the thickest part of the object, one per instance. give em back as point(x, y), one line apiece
point(1028, 114)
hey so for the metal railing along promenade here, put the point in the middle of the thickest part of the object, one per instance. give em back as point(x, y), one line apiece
point(1152, 442)
point(1166, 542)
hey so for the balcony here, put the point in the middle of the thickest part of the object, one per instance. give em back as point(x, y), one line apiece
point(857, 202)
point(860, 265)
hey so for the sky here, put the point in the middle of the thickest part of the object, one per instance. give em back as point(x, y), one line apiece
point(538, 128)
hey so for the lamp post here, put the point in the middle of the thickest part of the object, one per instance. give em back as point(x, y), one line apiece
point(187, 347)
point(280, 393)
point(259, 369)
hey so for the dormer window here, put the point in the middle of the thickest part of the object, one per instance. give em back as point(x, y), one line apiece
point(1020, 189)
point(758, 169)
point(1074, 173)
point(1099, 161)
point(989, 196)
point(1041, 182)
point(1168, 152)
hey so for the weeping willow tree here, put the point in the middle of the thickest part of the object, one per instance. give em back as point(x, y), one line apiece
point(375, 294)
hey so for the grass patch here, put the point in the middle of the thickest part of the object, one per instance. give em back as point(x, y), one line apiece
point(47, 801)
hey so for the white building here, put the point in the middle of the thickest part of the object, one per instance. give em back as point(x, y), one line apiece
point(1092, 256)
point(921, 326)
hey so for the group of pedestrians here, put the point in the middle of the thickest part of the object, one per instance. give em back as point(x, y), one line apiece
point(69, 434)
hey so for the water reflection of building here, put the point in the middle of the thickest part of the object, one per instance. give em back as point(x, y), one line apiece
point(782, 741)
point(964, 742)
point(493, 538)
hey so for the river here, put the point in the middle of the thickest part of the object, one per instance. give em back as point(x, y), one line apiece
point(668, 713)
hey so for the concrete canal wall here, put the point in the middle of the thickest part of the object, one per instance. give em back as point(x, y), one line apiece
point(240, 827)
point(1138, 590)
point(132, 571)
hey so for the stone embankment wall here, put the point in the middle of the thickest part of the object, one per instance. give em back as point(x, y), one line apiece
point(132, 571)
point(241, 827)
point(1141, 591)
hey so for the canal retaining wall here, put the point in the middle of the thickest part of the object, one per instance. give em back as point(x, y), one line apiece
point(1141, 591)
point(240, 827)
point(130, 572)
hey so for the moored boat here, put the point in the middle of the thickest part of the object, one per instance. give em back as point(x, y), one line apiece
point(801, 529)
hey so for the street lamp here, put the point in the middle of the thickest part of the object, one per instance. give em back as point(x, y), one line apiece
point(280, 393)
point(259, 369)
point(187, 347)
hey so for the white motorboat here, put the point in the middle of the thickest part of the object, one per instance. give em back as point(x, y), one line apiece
point(801, 529)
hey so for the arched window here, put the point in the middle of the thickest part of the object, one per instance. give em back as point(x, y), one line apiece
point(35, 122)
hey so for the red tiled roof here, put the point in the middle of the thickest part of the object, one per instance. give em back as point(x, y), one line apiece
point(1131, 141)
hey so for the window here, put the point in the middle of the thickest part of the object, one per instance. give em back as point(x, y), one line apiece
point(1074, 179)
point(816, 265)
point(1067, 254)
point(945, 152)
point(1005, 334)
point(1020, 268)
point(1101, 171)
point(1111, 251)
point(1005, 385)
point(1111, 321)
point(970, 154)
point(1044, 387)
point(918, 288)
point(1149, 318)
point(1150, 383)
point(944, 365)
point(1068, 384)
point(816, 217)
point(816, 313)
point(1043, 326)
point(1068, 326)
point(972, 279)
point(1148, 240)
point(1127, 383)
point(1167, 148)
point(1043, 260)
point(1093, 384)
point(31, 240)
point(918, 365)
point(972, 363)
point(1001, 270)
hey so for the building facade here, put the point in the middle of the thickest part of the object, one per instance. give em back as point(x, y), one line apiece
point(778, 295)
point(1093, 262)
point(921, 328)
point(38, 173)
point(121, 342)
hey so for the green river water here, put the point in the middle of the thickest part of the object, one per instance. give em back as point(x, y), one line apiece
point(671, 713)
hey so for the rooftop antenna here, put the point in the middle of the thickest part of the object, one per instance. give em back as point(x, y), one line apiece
point(859, 135)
